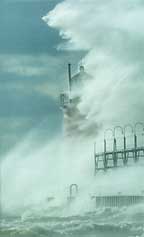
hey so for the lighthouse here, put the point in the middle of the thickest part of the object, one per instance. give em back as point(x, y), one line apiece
point(69, 101)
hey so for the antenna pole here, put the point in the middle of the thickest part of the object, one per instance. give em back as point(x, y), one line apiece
point(69, 75)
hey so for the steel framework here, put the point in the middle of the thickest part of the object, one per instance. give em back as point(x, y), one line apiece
point(110, 159)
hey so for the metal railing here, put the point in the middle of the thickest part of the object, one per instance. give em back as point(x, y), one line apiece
point(119, 156)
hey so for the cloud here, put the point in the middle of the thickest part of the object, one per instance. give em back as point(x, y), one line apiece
point(28, 65)
point(29, 1)
point(42, 73)
point(37, 72)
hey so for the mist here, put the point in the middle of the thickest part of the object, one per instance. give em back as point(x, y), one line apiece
point(111, 33)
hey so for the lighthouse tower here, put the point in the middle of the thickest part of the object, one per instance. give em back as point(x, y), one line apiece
point(70, 100)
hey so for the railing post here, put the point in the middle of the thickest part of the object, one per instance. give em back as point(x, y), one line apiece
point(135, 148)
point(136, 156)
point(71, 190)
point(114, 153)
point(105, 157)
point(125, 156)
point(95, 162)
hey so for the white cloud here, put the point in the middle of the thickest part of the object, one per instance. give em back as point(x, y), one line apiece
point(19, 1)
point(44, 74)
point(28, 65)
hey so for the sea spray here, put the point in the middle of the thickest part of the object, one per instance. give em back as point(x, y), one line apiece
point(28, 180)
point(111, 33)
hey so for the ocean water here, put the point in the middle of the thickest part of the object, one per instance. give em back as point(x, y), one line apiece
point(106, 222)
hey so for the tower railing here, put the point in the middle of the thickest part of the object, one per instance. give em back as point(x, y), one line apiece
point(119, 155)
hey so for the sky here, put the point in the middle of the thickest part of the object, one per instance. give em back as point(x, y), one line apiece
point(32, 72)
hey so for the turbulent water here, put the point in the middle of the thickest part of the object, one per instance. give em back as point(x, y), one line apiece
point(102, 222)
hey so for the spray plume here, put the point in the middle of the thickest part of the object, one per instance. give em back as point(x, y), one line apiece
point(111, 32)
